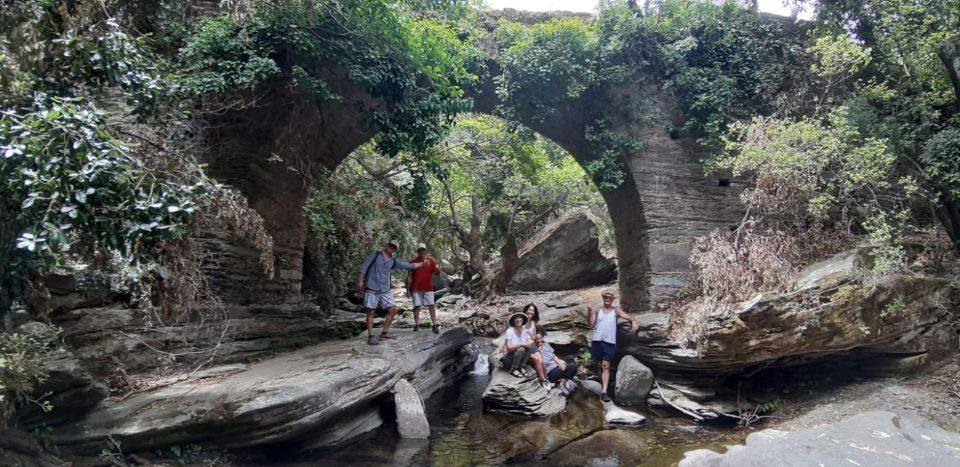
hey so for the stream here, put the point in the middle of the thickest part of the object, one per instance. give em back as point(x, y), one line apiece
point(463, 434)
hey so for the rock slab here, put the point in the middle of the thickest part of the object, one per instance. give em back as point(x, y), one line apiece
point(872, 438)
point(634, 381)
point(521, 396)
point(310, 397)
point(411, 418)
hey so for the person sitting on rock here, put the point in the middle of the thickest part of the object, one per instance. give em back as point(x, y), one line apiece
point(603, 347)
point(536, 361)
point(558, 371)
point(517, 344)
point(374, 285)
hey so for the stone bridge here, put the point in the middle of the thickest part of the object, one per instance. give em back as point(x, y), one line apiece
point(664, 204)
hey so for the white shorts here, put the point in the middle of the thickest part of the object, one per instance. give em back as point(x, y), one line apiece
point(375, 300)
point(422, 299)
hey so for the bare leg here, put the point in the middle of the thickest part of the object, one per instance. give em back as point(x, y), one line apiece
point(389, 320)
point(416, 315)
point(537, 361)
point(433, 315)
point(605, 374)
point(369, 322)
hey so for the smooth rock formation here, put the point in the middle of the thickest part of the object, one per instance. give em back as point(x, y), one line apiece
point(613, 414)
point(633, 382)
point(318, 396)
point(521, 396)
point(869, 439)
point(617, 416)
point(411, 419)
point(564, 255)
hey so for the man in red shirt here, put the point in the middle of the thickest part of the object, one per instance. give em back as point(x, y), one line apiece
point(420, 283)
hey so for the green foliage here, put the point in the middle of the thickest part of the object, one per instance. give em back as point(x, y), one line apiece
point(67, 181)
point(770, 406)
point(819, 171)
point(895, 308)
point(724, 64)
point(68, 186)
point(545, 65)
point(826, 163)
point(219, 58)
point(608, 149)
point(585, 359)
point(418, 67)
point(941, 160)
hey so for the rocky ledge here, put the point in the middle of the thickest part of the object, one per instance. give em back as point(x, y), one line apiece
point(318, 396)
point(872, 438)
point(521, 396)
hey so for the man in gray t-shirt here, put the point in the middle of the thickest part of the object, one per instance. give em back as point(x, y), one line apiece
point(374, 286)
point(558, 371)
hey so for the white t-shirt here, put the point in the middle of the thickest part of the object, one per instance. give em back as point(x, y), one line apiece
point(606, 326)
point(514, 339)
point(530, 328)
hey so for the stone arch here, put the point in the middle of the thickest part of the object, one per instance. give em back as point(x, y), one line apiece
point(663, 204)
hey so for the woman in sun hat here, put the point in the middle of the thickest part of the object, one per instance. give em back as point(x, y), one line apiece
point(517, 343)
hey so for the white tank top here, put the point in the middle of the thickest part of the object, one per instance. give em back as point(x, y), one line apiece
point(606, 327)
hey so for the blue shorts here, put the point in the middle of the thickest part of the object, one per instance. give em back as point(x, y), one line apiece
point(602, 351)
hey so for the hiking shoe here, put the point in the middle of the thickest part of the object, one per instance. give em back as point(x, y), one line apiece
point(372, 340)
point(385, 337)
point(435, 329)
point(604, 397)
point(416, 327)
point(564, 390)
point(545, 385)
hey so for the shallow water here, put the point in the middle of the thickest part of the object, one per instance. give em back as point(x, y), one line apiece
point(463, 435)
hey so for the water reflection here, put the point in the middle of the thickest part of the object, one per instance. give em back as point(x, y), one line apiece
point(463, 435)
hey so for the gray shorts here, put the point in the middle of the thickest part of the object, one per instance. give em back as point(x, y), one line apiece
point(375, 300)
point(422, 299)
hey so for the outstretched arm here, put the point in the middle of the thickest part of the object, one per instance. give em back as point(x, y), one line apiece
point(397, 264)
point(633, 323)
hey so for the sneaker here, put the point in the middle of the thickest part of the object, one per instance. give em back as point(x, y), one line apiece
point(604, 397)
point(545, 385)
point(385, 337)
point(435, 329)
point(564, 390)
point(416, 327)
point(372, 340)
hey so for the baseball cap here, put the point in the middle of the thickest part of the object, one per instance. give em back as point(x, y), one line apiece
point(421, 246)
point(394, 243)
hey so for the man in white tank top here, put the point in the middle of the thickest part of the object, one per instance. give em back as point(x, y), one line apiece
point(603, 346)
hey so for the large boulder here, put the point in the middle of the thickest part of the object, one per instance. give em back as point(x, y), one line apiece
point(521, 396)
point(564, 255)
point(634, 381)
point(872, 438)
point(316, 397)
point(613, 414)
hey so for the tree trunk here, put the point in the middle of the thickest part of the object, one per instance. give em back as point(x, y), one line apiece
point(950, 56)
point(949, 213)
point(509, 253)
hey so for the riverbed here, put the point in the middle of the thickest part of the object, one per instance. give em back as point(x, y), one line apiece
point(462, 434)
